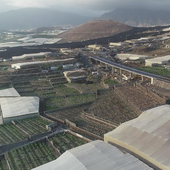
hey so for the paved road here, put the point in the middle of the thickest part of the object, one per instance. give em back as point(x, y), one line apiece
point(129, 69)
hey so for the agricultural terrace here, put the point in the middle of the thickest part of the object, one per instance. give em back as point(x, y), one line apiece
point(66, 141)
point(160, 70)
point(93, 126)
point(75, 115)
point(3, 164)
point(10, 134)
point(86, 88)
point(57, 102)
point(62, 89)
point(34, 125)
point(71, 114)
point(31, 156)
point(141, 100)
point(109, 106)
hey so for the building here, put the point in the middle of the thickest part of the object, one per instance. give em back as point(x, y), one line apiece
point(37, 63)
point(14, 108)
point(157, 61)
point(147, 136)
point(94, 47)
point(68, 66)
point(66, 50)
point(96, 155)
point(130, 56)
point(31, 56)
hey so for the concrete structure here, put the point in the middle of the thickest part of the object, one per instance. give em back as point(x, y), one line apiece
point(157, 61)
point(127, 69)
point(13, 108)
point(28, 64)
point(76, 75)
point(147, 136)
point(34, 55)
point(96, 155)
point(11, 92)
point(130, 56)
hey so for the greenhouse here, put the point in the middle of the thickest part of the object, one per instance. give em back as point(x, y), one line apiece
point(147, 136)
point(96, 155)
point(14, 108)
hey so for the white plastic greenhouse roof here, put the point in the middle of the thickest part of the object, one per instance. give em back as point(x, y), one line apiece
point(19, 106)
point(11, 92)
point(19, 65)
point(159, 59)
point(147, 136)
point(30, 55)
point(96, 155)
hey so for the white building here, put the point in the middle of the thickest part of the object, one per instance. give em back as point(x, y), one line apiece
point(96, 155)
point(157, 61)
point(13, 108)
point(28, 64)
point(147, 136)
point(130, 56)
point(33, 55)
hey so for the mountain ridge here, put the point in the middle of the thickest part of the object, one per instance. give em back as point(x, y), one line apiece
point(28, 18)
point(138, 17)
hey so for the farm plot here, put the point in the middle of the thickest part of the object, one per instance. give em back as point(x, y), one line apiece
point(57, 102)
point(33, 126)
point(85, 88)
point(3, 164)
point(54, 103)
point(25, 78)
point(93, 126)
point(61, 89)
point(66, 141)
point(141, 100)
point(31, 156)
point(78, 99)
point(10, 134)
point(45, 93)
point(109, 106)
point(71, 114)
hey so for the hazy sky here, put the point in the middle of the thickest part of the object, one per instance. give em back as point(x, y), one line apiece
point(84, 6)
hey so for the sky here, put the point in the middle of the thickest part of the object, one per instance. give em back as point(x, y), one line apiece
point(84, 7)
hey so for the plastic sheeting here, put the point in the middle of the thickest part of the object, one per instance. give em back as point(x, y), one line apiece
point(96, 155)
point(19, 106)
point(148, 136)
point(11, 92)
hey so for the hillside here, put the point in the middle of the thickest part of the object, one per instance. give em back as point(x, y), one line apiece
point(138, 17)
point(35, 17)
point(94, 30)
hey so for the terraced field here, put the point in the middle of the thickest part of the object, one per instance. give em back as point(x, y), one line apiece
point(85, 88)
point(71, 114)
point(3, 164)
point(141, 100)
point(10, 134)
point(31, 156)
point(58, 102)
point(66, 141)
point(33, 126)
point(109, 106)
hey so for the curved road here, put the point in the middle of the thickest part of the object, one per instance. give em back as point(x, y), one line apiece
point(129, 69)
